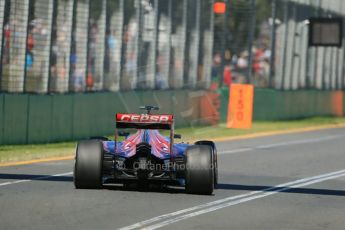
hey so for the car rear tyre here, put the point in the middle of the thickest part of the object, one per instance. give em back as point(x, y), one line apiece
point(214, 152)
point(88, 165)
point(199, 170)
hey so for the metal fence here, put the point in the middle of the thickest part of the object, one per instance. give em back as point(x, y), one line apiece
point(278, 56)
point(296, 65)
point(58, 46)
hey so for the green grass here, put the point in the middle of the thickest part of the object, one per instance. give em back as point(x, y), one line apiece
point(258, 127)
point(13, 153)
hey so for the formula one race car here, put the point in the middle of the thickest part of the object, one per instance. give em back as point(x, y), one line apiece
point(146, 156)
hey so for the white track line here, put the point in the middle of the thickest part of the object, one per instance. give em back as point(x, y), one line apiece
point(36, 178)
point(280, 144)
point(229, 201)
point(232, 203)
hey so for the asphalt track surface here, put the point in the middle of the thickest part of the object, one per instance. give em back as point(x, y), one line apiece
point(293, 181)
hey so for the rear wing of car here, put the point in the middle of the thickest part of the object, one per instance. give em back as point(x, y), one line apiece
point(144, 121)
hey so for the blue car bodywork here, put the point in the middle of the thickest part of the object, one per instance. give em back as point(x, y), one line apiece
point(126, 148)
point(146, 155)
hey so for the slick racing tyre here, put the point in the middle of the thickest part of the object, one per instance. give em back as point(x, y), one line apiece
point(199, 170)
point(88, 165)
point(214, 152)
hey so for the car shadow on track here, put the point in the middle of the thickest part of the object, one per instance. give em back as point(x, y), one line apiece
point(117, 187)
point(154, 189)
point(9, 176)
point(311, 191)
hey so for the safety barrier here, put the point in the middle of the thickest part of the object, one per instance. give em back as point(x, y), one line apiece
point(270, 104)
point(30, 118)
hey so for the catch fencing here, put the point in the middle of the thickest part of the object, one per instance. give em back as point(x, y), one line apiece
point(266, 44)
point(59, 46)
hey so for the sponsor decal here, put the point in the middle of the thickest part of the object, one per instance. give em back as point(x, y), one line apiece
point(144, 118)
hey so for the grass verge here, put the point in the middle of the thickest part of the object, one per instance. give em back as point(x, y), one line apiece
point(16, 153)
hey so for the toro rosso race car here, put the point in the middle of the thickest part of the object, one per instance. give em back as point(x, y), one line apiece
point(146, 156)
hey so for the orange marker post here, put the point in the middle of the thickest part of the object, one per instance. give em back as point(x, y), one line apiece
point(240, 108)
point(337, 103)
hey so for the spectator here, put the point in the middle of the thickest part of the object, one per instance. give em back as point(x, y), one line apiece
point(242, 62)
point(217, 61)
point(79, 80)
point(227, 80)
point(29, 61)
